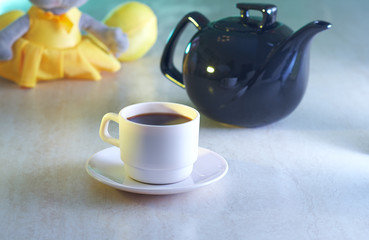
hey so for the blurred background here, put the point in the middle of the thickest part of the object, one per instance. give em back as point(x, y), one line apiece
point(339, 57)
point(345, 17)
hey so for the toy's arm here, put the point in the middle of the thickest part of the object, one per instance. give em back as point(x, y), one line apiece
point(10, 34)
point(113, 38)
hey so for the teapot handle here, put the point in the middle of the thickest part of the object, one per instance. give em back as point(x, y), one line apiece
point(167, 65)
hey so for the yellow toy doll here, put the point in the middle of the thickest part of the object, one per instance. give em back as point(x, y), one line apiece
point(46, 44)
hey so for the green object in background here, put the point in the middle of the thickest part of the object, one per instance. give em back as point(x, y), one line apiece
point(6, 5)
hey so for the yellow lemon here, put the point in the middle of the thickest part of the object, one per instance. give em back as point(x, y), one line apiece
point(139, 22)
point(9, 17)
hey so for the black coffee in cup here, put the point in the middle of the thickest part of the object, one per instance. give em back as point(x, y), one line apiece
point(159, 119)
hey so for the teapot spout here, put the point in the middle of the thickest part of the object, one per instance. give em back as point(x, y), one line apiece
point(293, 53)
point(289, 61)
point(303, 36)
point(282, 79)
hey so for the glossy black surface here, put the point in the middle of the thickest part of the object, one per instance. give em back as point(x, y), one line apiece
point(242, 71)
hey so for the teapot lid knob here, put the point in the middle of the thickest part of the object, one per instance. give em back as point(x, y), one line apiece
point(269, 12)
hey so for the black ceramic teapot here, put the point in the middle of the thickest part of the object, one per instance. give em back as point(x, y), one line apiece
point(245, 70)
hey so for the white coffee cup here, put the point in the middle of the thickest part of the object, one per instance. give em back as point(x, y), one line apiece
point(155, 154)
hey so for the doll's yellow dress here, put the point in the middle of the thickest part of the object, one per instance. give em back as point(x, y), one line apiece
point(54, 48)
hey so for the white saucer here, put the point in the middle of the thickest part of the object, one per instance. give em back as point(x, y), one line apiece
point(107, 167)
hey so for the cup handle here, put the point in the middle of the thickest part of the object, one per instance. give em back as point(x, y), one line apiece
point(104, 128)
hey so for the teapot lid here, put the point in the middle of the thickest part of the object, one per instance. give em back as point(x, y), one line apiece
point(246, 23)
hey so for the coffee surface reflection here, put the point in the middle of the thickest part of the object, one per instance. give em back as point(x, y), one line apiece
point(159, 119)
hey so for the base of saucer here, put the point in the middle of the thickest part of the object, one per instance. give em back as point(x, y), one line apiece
point(106, 167)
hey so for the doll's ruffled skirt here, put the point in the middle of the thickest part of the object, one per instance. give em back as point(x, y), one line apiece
point(32, 63)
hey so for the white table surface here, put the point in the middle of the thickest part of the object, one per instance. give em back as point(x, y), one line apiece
point(304, 177)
